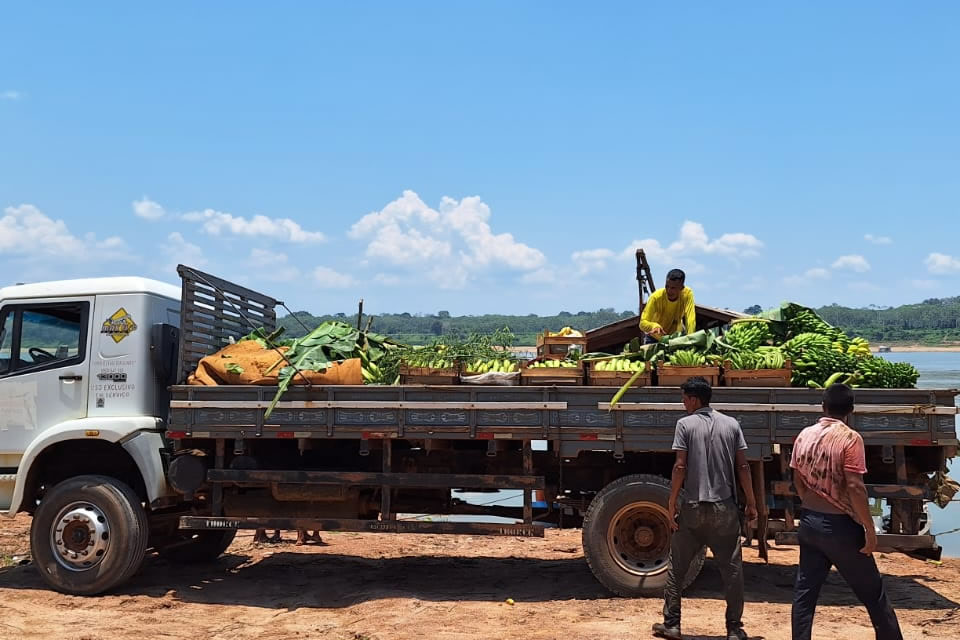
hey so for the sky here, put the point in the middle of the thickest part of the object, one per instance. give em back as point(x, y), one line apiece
point(494, 157)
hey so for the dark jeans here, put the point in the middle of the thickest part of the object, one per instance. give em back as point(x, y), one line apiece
point(715, 525)
point(835, 540)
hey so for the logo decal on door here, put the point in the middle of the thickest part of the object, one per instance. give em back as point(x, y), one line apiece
point(119, 325)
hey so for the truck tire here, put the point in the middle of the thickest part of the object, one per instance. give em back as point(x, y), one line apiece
point(89, 534)
point(190, 547)
point(626, 537)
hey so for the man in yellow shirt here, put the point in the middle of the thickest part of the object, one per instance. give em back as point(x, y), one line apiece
point(669, 308)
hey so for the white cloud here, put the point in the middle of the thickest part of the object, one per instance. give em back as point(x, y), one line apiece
point(272, 266)
point(591, 260)
point(942, 263)
point(449, 245)
point(179, 251)
point(218, 223)
point(808, 277)
point(327, 278)
point(10, 94)
point(853, 262)
point(148, 209)
point(878, 239)
point(27, 232)
point(693, 240)
point(540, 276)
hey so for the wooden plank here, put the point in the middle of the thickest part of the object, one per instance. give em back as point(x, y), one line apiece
point(369, 526)
point(917, 409)
point(422, 480)
point(364, 404)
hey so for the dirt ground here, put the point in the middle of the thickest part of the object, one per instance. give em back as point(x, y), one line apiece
point(385, 587)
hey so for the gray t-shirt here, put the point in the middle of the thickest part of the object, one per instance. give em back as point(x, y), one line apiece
point(711, 440)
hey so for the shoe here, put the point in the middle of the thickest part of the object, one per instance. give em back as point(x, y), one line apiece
point(736, 634)
point(663, 631)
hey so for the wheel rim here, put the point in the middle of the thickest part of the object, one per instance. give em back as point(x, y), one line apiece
point(638, 538)
point(80, 536)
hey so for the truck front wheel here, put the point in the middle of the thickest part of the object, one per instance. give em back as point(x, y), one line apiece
point(89, 534)
point(626, 537)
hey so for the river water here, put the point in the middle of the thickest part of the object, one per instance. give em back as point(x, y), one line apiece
point(940, 370)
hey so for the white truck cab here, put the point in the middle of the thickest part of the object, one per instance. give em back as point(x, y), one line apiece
point(84, 367)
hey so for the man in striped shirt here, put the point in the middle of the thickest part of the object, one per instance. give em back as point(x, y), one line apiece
point(836, 528)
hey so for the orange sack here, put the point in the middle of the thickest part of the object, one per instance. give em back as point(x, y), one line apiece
point(247, 363)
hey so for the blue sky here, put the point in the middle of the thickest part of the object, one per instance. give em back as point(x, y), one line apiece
point(486, 157)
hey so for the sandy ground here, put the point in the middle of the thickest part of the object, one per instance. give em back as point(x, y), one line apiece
point(380, 587)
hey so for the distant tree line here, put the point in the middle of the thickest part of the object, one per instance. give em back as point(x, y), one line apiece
point(935, 320)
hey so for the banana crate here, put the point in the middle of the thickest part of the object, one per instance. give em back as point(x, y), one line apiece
point(429, 375)
point(616, 378)
point(757, 377)
point(669, 375)
point(548, 371)
point(556, 345)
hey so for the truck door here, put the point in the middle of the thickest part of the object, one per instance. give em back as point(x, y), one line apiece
point(44, 370)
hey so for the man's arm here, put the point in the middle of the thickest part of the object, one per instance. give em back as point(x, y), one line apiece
point(650, 315)
point(690, 314)
point(677, 479)
point(746, 482)
point(857, 492)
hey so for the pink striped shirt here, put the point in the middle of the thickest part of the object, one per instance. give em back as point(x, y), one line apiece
point(822, 453)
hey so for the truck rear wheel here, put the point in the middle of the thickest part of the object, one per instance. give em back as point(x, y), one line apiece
point(197, 546)
point(626, 537)
point(89, 534)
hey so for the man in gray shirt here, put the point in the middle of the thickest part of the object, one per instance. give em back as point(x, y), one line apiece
point(710, 460)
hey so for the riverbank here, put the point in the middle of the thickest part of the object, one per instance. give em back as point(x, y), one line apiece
point(914, 348)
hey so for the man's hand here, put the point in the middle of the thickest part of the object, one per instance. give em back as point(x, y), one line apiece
point(657, 332)
point(672, 516)
point(871, 544)
point(751, 513)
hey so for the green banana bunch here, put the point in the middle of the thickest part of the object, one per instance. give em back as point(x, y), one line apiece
point(619, 364)
point(687, 358)
point(748, 335)
point(553, 364)
point(479, 366)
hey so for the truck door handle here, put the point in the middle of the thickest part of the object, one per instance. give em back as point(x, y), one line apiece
point(71, 377)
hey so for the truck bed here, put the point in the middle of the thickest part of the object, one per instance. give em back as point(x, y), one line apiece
point(575, 418)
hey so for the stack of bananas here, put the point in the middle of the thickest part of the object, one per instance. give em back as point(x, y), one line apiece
point(492, 366)
point(857, 347)
point(619, 364)
point(566, 332)
point(762, 358)
point(687, 358)
point(553, 364)
point(748, 335)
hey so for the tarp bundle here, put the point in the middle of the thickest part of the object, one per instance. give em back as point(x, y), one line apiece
point(249, 363)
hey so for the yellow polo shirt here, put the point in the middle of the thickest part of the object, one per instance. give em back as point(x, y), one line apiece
point(661, 312)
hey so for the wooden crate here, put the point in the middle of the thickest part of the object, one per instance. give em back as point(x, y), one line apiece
point(429, 375)
point(673, 376)
point(542, 376)
point(757, 377)
point(556, 347)
point(617, 378)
